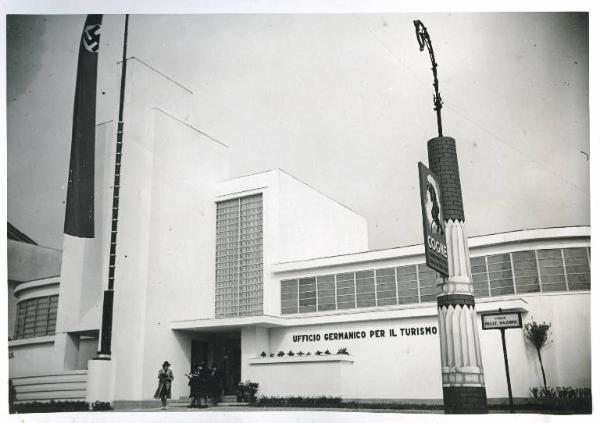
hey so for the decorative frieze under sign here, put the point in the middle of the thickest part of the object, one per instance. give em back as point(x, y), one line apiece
point(502, 320)
point(436, 252)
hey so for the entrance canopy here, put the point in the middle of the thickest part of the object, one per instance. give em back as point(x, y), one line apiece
point(415, 310)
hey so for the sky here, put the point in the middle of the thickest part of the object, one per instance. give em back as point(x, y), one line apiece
point(341, 101)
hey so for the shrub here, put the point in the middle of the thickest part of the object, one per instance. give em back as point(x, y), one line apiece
point(51, 407)
point(563, 399)
point(272, 355)
point(537, 334)
point(263, 354)
point(291, 353)
point(300, 353)
point(316, 402)
point(336, 402)
point(246, 392)
point(280, 354)
point(343, 351)
point(101, 406)
point(318, 352)
point(327, 352)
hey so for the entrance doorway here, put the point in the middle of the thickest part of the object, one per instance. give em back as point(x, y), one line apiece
point(223, 349)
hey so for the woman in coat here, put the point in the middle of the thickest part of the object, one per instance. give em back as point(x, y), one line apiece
point(165, 377)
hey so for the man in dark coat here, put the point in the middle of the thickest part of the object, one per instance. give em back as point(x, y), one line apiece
point(214, 383)
point(194, 384)
point(203, 385)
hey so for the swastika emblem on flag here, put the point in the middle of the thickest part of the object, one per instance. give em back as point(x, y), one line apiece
point(91, 38)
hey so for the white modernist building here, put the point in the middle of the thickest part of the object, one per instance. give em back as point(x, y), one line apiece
point(235, 271)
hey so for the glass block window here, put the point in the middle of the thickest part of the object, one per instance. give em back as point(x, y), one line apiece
point(36, 317)
point(427, 278)
point(408, 291)
point(345, 290)
point(239, 258)
point(289, 297)
point(326, 293)
point(365, 289)
point(480, 277)
point(577, 268)
point(501, 277)
point(386, 286)
point(307, 295)
point(551, 270)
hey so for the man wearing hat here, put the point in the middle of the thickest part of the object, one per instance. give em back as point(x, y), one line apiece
point(165, 377)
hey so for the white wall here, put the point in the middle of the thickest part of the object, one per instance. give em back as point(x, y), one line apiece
point(31, 357)
point(383, 367)
point(166, 248)
point(299, 223)
point(408, 367)
point(567, 360)
point(27, 262)
point(314, 225)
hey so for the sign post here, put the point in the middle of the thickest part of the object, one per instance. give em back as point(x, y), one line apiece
point(503, 321)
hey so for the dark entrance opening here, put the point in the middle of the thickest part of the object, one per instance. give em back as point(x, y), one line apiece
point(223, 349)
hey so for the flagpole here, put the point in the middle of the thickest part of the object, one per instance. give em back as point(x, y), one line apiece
point(107, 308)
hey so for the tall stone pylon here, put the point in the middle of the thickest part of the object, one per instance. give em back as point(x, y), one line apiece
point(462, 370)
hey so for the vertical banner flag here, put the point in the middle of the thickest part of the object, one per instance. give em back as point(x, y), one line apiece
point(79, 214)
point(436, 252)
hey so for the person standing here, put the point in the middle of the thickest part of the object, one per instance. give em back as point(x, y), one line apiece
point(214, 383)
point(194, 383)
point(203, 377)
point(163, 391)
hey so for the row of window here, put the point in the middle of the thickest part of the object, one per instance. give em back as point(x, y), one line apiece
point(36, 317)
point(566, 269)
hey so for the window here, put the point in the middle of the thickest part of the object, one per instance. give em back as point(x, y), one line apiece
point(307, 295)
point(239, 261)
point(551, 270)
point(499, 274)
point(36, 317)
point(501, 277)
point(365, 289)
point(408, 291)
point(289, 296)
point(326, 293)
point(480, 277)
point(427, 279)
point(386, 286)
point(577, 268)
point(526, 273)
point(345, 290)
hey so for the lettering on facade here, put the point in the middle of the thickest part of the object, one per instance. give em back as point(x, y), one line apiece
point(365, 334)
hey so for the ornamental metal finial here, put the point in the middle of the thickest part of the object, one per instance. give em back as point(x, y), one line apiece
point(424, 40)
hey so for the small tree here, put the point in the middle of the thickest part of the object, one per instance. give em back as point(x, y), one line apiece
point(537, 334)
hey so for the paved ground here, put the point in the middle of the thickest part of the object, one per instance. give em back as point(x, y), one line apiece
point(240, 408)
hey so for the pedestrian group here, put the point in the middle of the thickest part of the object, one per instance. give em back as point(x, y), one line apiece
point(204, 382)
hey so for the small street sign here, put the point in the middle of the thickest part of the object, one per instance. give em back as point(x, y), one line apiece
point(502, 321)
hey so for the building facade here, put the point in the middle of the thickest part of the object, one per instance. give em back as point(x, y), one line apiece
point(237, 271)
